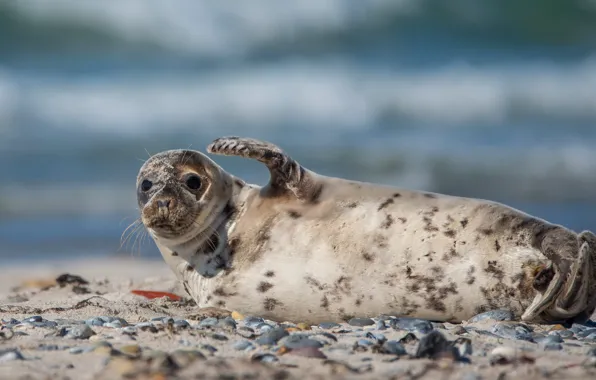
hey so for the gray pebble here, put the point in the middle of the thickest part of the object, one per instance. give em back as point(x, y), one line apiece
point(513, 331)
point(80, 332)
point(264, 327)
point(10, 354)
point(130, 330)
point(76, 350)
point(246, 332)
point(378, 337)
point(555, 338)
point(381, 325)
point(243, 345)
point(35, 318)
point(219, 337)
point(591, 337)
point(360, 322)
point(265, 358)
point(146, 326)
point(44, 324)
point(10, 321)
point(208, 322)
point(411, 324)
point(253, 321)
point(227, 322)
point(48, 347)
point(167, 320)
point(364, 342)
point(497, 315)
point(181, 324)
point(296, 341)
point(272, 337)
point(553, 347)
point(95, 321)
point(394, 348)
point(563, 333)
point(208, 347)
point(328, 325)
point(433, 344)
point(585, 332)
point(114, 324)
point(185, 342)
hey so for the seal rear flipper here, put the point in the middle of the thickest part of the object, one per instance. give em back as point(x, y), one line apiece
point(287, 175)
point(571, 294)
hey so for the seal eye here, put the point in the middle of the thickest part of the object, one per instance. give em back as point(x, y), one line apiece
point(146, 185)
point(193, 182)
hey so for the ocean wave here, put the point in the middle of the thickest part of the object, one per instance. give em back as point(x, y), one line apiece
point(212, 28)
point(309, 96)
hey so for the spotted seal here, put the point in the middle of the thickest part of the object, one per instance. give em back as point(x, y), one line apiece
point(307, 247)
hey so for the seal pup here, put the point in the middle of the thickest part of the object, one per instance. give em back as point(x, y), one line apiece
point(308, 247)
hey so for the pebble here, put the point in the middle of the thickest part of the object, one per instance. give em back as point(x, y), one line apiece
point(381, 325)
point(361, 322)
point(76, 350)
point(96, 321)
point(208, 322)
point(272, 337)
point(411, 324)
point(181, 324)
point(433, 345)
point(243, 345)
point(10, 354)
point(130, 330)
point(220, 337)
point(512, 331)
point(393, 347)
point(264, 358)
point(378, 337)
point(227, 323)
point(497, 315)
point(253, 321)
point(553, 347)
point(80, 332)
point(264, 327)
point(308, 352)
point(35, 318)
point(328, 325)
point(296, 341)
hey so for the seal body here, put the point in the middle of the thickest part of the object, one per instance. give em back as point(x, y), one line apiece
point(313, 248)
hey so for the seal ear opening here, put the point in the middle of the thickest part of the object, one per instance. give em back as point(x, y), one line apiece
point(286, 174)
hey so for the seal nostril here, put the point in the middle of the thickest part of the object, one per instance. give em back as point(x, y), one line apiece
point(163, 203)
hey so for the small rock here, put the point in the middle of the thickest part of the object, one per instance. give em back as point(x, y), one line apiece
point(80, 332)
point(183, 358)
point(10, 354)
point(411, 324)
point(208, 322)
point(497, 315)
point(435, 345)
point(272, 337)
point(394, 348)
point(146, 326)
point(237, 316)
point(513, 331)
point(308, 352)
point(364, 343)
point(129, 330)
point(76, 350)
point(114, 325)
point(328, 325)
point(220, 337)
point(253, 321)
point(95, 321)
point(378, 337)
point(264, 327)
point(264, 358)
point(303, 326)
point(132, 350)
point(243, 345)
point(246, 332)
point(35, 318)
point(507, 355)
point(381, 325)
point(228, 323)
point(209, 348)
point(295, 341)
point(181, 324)
point(408, 338)
point(553, 347)
point(361, 322)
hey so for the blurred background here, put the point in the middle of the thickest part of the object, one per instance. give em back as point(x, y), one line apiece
point(493, 99)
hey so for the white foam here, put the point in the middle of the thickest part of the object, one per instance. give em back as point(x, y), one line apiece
point(328, 96)
point(210, 27)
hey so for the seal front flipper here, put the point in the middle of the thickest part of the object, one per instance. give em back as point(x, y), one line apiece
point(287, 175)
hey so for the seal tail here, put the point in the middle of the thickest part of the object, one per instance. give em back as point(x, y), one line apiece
point(286, 174)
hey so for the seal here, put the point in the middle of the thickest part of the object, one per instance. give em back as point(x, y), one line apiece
point(311, 248)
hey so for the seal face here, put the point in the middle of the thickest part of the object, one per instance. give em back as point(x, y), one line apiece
point(311, 248)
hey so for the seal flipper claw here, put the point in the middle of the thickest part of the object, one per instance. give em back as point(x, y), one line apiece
point(286, 174)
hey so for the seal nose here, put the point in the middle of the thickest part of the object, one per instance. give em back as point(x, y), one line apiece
point(163, 203)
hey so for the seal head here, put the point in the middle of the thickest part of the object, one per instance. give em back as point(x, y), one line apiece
point(179, 193)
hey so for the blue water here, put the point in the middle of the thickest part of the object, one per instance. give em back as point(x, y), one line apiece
point(493, 99)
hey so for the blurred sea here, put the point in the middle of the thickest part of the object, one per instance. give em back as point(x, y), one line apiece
point(491, 99)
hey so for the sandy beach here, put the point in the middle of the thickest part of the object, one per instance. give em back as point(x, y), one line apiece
point(88, 325)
